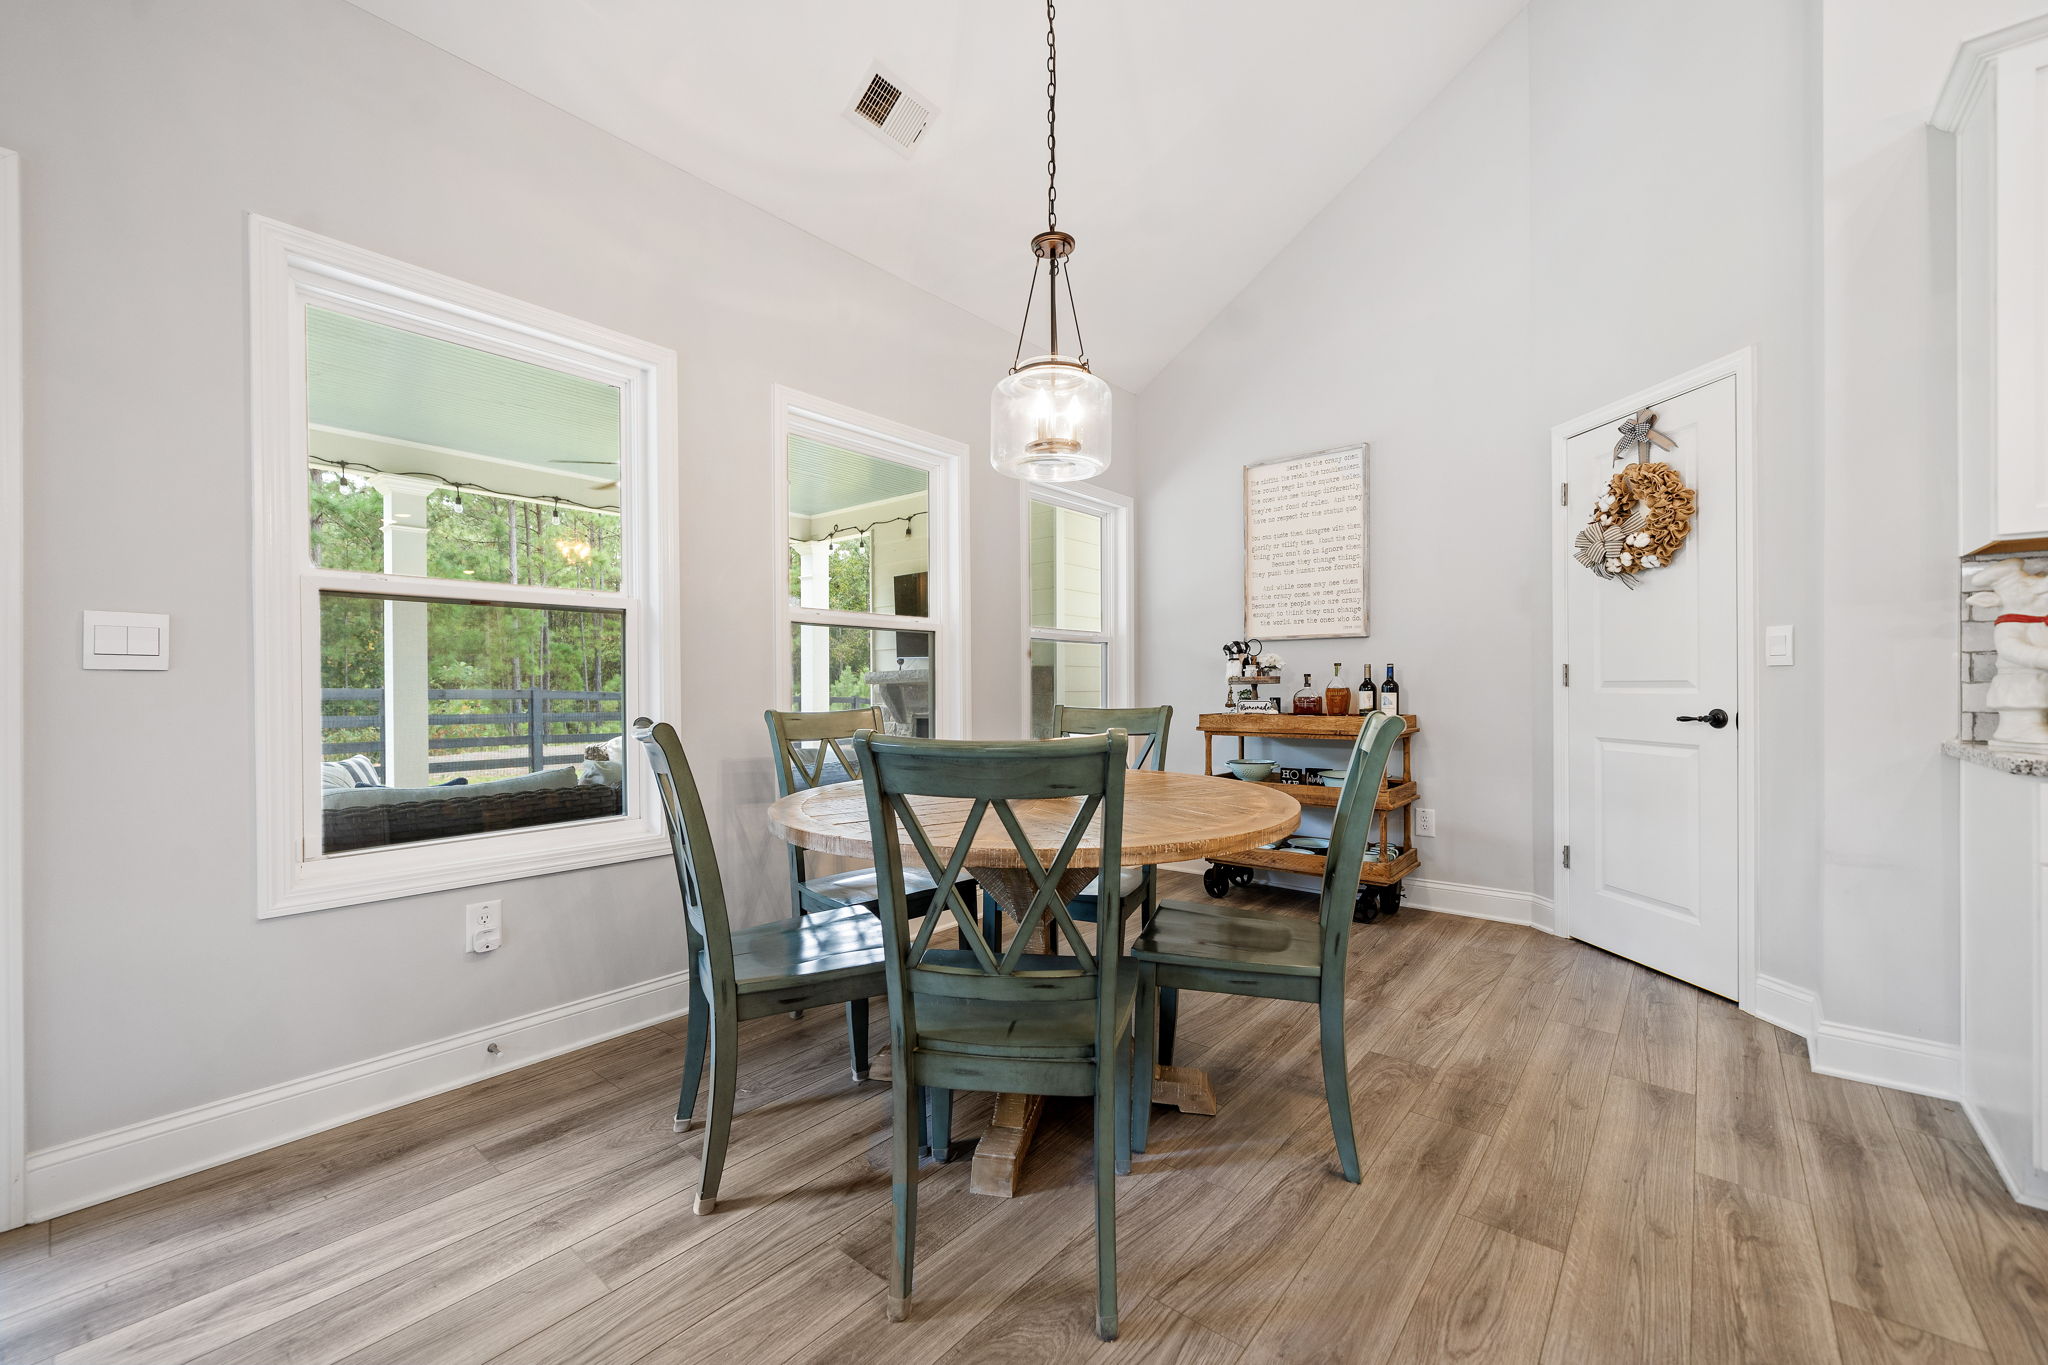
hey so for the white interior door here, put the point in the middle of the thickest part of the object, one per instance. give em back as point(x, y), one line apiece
point(1651, 818)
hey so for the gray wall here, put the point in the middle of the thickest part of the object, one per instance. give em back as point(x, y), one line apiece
point(147, 131)
point(1399, 316)
point(1675, 221)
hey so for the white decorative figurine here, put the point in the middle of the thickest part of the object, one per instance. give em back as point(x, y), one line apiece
point(2019, 690)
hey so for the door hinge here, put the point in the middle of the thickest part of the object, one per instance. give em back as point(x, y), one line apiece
point(1564, 495)
point(1567, 675)
point(1567, 855)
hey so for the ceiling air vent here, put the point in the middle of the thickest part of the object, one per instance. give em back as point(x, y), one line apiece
point(895, 115)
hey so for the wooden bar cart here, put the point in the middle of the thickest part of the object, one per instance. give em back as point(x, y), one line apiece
point(1379, 881)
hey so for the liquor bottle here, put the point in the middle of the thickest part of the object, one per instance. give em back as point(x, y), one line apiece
point(1308, 701)
point(1390, 694)
point(1336, 697)
point(1368, 695)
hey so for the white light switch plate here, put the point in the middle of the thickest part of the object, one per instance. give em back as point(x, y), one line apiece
point(1778, 646)
point(126, 639)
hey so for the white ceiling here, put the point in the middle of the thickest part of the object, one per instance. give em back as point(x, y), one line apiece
point(1196, 136)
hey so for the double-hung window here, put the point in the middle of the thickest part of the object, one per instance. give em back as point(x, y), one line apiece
point(873, 574)
point(461, 591)
point(1077, 587)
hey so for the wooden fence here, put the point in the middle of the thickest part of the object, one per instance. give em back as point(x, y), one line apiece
point(528, 717)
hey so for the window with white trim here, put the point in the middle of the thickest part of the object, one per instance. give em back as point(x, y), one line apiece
point(873, 573)
point(1077, 601)
point(461, 591)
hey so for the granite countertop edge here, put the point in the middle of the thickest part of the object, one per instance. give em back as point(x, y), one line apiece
point(1998, 760)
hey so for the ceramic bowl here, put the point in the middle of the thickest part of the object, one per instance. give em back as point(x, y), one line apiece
point(1250, 769)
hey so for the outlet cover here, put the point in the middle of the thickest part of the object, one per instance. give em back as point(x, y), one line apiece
point(1425, 822)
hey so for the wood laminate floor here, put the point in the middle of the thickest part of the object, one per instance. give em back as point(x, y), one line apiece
point(1568, 1159)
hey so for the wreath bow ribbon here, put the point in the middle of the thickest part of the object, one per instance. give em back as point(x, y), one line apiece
point(1641, 432)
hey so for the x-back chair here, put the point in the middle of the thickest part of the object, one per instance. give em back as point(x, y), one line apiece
point(976, 1017)
point(814, 749)
point(829, 957)
point(1213, 947)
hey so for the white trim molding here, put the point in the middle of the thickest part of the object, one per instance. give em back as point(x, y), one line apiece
point(944, 461)
point(1479, 902)
point(1895, 1060)
point(1792, 1008)
point(1119, 577)
point(1740, 366)
point(290, 269)
point(13, 654)
point(107, 1165)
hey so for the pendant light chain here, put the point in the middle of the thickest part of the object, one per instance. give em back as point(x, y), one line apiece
point(1052, 123)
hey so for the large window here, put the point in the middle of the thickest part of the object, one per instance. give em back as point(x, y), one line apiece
point(459, 586)
point(1077, 585)
point(872, 569)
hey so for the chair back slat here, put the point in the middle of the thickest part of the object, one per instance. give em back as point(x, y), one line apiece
point(1146, 725)
point(993, 777)
point(1352, 829)
point(805, 741)
point(706, 927)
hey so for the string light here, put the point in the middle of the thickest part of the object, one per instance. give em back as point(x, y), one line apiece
point(837, 530)
point(347, 474)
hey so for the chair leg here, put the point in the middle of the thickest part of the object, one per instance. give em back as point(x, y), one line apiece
point(1145, 1047)
point(1337, 1083)
point(724, 1082)
point(697, 1029)
point(903, 1183)
point(1126, 1053)
point(992, 923)
point(857, 1036)
point(1107, 1102)
point(1169, 1016)
point(938, 1122)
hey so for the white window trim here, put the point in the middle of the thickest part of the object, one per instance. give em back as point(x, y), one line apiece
point(13, 756)
point(944, 461)
point(1118, 580)
point(289, 268)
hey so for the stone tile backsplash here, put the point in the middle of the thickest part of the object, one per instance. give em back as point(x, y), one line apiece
point(1979, 655)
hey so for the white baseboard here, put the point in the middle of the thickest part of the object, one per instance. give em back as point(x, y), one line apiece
point(91, 1170)
point(1449, 898)
point(1888, 1059)
point(1480, 902)
point(1792, 1008)
point(2030, 1189)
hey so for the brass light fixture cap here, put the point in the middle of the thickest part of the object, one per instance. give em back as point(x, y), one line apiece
point(1052, 245)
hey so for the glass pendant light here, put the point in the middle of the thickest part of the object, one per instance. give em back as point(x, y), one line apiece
point(1049, 416)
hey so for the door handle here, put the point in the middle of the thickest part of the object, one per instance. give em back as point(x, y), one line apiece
point(1716, 718)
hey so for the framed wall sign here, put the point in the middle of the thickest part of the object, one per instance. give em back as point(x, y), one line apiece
point(1305, 560)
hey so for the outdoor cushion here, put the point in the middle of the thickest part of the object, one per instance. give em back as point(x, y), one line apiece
point(391, 796)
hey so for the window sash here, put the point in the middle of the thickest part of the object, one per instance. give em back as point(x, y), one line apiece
point(291, 269)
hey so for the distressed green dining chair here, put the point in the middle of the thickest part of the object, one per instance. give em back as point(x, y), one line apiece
point(1231, 951)
point(829, 957)
point(974, 1017)
point(811, 750)
point(1147, 727)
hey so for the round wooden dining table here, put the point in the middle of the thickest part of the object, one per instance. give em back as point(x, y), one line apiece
point(1167, 817)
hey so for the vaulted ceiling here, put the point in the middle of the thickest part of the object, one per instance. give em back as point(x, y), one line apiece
point(1196, 136)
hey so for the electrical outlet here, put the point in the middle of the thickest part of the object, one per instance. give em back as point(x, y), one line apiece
point(483, 927)
point(1425, 823)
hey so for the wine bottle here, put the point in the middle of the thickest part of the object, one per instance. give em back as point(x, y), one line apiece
point(1336, 697)
point(1390, 694)
point(1308, 701)
point(1368, 694)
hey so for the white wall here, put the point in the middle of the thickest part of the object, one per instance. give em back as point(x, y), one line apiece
point(1398, 317)
point(1674, 223)
point(1892, 952)
point(147, 131)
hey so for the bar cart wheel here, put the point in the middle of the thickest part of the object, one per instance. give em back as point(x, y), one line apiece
point(1366, 908)
point(1216, 880)
point(1241, 876)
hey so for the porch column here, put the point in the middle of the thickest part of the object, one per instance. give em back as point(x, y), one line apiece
point(405, 630)
point(814, 653)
